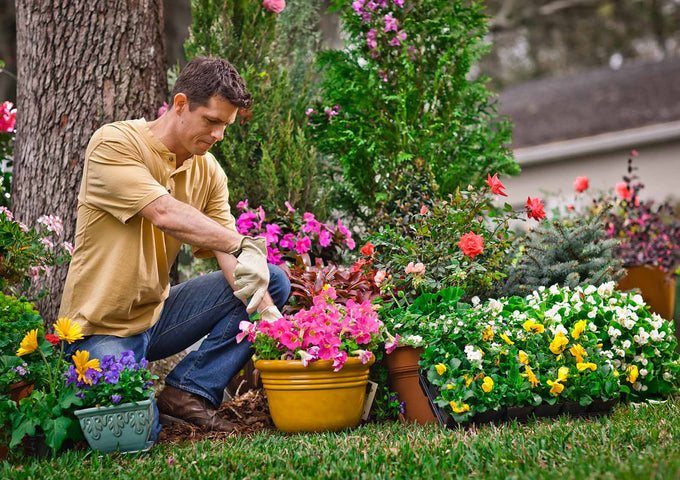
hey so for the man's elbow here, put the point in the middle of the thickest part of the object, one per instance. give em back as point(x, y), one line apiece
point(158, 212)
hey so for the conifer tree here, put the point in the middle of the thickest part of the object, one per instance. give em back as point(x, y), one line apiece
point(570, 253)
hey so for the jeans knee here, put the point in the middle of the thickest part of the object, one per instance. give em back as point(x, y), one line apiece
point(279, 285)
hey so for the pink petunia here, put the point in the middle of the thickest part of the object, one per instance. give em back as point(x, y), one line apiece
point(302, 245)
point(325, 238)
point(391, 23)
point(242, 205)
point(365, 356)
point(289, 207)
point(371, 39)
point(339, 361)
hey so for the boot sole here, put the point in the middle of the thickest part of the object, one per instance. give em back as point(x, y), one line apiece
point(165, 419)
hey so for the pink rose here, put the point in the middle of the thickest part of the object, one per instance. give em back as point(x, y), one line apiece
point(581, 183)
point(623, 191)
point(275, 6)
point(471, 244)
point(535, 208)
point(380, 277)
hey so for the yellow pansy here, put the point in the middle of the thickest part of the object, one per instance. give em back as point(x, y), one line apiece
point(507, 339)
point(441, 368)
point(562, 374)
point(529, 373)
point(586, 366)
point(579, 328)
point(464, 407)
point(533, 327)
point(615, 373)
point(559, 343)
point(578, 352)
point(487, 334)
point(29, 343)
point(523, 357)
point(81, 359)
point(449, 386)
point(67, 330)
point(487, 384)
point(633, 373)
point(468, 380)
point(555, 387)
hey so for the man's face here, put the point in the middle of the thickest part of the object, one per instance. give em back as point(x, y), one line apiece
point(202, 127)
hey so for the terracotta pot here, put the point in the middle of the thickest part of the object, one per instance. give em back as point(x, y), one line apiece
point(402, 364)
point(20, 390)
point(314, 398)
point(656, 287)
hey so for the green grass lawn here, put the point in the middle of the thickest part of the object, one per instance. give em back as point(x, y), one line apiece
point(636, 443)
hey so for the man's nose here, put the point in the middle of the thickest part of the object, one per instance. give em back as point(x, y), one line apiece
point(218, 132)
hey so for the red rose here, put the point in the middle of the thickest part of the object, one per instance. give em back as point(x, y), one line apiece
point(367, 249)
point(581, 183)
point(471, 244)
point(623, 191)
point(495, 184)
point(53, 339)
point(535, 208)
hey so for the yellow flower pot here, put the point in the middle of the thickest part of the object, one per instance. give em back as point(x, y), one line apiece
point(314, 398)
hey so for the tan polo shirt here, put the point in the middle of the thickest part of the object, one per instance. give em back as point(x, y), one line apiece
point(119, 275)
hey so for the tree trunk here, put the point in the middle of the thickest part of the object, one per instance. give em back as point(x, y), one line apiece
point(81, 64)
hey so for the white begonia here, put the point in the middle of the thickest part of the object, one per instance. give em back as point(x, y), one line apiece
point(616, 363)
point(495, 305)
point(657, 352)
point(667, 376)
point(592, 327)
point(655, 336)
point(626, 344)
point(575, 298)
point(456, 331)
point(637, 386)
point(620, 353)
point(613, 333)
point(398, 325)
point(628, 323)
point(417, 339)
point(612, 301)
point(591, 299)
point(554, 289)
point(608, 354)
point(644, 388)
point(643, 372)
point(541, 289)
point(559, 328)
point(606, 289)
point(475, 301)
point(637, 298)
point(589, 290)
point(592, 314)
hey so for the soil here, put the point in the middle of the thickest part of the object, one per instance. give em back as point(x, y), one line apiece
point(248, 411)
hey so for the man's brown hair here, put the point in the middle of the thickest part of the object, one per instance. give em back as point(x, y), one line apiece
point(204, 77)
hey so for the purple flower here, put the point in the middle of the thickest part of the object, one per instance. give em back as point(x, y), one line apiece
point(325, 238)
point(243, 205)
point(111, 376)
point(412, 51)
point(358, 6)
point(399, 3)
point(143, 363)
point(80, 394)
point(71, 375)
point(371, 5)
point(127, 358)
point(366, 17)
point(115, 399)
point(391, 24)
point(396, 41)
point(371, 39)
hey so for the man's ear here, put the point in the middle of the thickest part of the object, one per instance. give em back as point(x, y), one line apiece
point(180, 103)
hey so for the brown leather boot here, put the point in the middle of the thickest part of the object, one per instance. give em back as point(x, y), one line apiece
point(178, 406)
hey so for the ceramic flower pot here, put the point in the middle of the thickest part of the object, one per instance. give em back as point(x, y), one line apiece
point(656, 287)
point(123, 428)
point(314, 398)
point(20, 390)
point(402, 364)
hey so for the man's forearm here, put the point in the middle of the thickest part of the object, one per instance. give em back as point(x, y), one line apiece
point(227, 264)
point(189, 225)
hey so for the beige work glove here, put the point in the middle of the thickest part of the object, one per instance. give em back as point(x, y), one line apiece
point(251, 275)
point(270, 314)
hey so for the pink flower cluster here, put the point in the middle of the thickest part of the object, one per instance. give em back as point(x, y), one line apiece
point(8, 117)
point(52, 223)
point(326, 331)
point(311, 232)
point(391, 24)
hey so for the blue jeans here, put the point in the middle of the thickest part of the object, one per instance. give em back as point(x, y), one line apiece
point(202, 306)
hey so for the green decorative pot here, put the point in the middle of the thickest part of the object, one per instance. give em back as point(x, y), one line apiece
point(121, 428)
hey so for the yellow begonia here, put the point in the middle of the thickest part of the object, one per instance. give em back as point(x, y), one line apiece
point(578, 352)
point(82, 362)
point(464, 407)
point(523, 357)
point(632, 372)
point(529, 373)
point(579, 328)
point(29, 343)
point(507, 339)
point(487, 384)
point(487, 334)
point(67, 330)
point(562, 374)
point(586, 366)
point(555, 387)
point(559, 343)
point(533, 327)
point(441, 368)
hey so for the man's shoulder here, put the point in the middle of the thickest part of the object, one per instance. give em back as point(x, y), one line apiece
point(120, 130)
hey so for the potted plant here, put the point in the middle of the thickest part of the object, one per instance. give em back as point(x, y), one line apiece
point(649, 236)
point(117, 395)
point(314, 364)
point(551, 349)
point(47, 412)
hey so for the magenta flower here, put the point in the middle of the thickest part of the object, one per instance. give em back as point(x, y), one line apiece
point(339, 360)
point(242, 205)
point(396, 41)
point(274, 6)
point(399, 3)
point(366, 17)
point(391, 23)
point(371, 5)
point(325, 238)
point(8, 117)
point(288, 241)
point(302, 245)
point(272, 233)
point(358, 6)
point(412, 52)
point(289, 207)
point(371, 37)
point(364, 355)
point(162, 109)
point(274, 256)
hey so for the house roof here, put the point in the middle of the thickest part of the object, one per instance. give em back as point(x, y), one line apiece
point(593, 103)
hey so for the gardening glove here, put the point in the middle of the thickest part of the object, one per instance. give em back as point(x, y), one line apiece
point(251, 275)
point(270, 314)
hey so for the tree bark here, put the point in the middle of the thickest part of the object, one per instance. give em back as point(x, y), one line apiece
point(81, 64)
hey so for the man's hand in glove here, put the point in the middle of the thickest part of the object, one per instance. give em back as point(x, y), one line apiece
point(251, 275)
point(270, 314)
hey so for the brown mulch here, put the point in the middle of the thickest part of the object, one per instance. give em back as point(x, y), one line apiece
point(248, 411)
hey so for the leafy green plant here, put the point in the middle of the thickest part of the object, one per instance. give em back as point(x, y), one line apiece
point(401, 113)
point(267, 154)
point(17, 317)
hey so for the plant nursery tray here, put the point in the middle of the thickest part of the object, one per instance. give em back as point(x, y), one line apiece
point(519, 414)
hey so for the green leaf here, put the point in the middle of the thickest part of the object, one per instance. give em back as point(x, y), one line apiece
point(56, 430)
point(26, 427)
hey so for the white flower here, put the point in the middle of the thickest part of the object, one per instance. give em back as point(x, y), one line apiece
point(613, 301)
point(559, 328)
point(620, 353)
point(589, 290)
point(613, 333)
point(628, 323)
point(637, 386)
point(667, 376)
point(416, 339)
point(655, 336)
point(592, 327)
point(616, 363)
point(541, 289)
point(637, 298)
point(657, 352)
point(495, 305)
point(554, 289)
point(643, 372)
point(606, 289)
point(475, 301)
point(626, 344)
point(608, 354)
point(592, 314)
point(644, 388)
